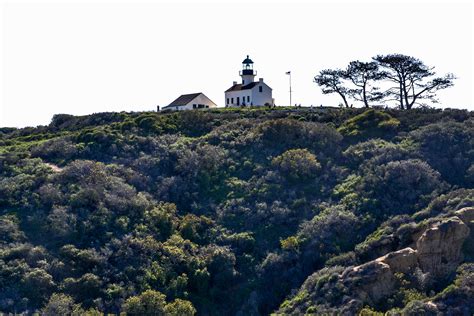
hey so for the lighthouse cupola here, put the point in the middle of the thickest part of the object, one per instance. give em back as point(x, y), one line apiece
point(247, 73)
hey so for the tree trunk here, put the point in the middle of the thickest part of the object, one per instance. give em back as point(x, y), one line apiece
point(401, 96)
point(405, 92)
point(364, 96)
point(345, 100)
point(409, 106)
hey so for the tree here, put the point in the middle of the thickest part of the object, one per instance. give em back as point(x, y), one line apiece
point(360, 74)
point(412, 77)
point(180, 308)
point(148, 303)
point(61, 304)
point(331, 81)
point(154, 303)
point(37, 285)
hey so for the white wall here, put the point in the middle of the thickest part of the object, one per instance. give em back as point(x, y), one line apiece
point(260, 98)
point(240, 94)
point(256, 98)
point(246, 79)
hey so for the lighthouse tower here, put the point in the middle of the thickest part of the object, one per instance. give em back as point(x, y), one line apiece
point(247, 73)
point(249, 92)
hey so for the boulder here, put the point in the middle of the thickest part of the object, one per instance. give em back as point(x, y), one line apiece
point(467, 216)
point(371, 281)
point(439, 248)
point(438, 251)
point(404, 260)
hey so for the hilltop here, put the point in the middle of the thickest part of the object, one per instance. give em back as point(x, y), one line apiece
point(239, 212)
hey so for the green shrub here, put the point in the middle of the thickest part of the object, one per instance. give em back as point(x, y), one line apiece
point(369, 123)
point(297, 164)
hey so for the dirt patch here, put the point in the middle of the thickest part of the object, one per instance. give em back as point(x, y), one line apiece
point(54, 167)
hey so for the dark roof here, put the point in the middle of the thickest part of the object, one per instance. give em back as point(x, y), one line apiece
point(184, 99)
point(247, 60)
point(238, 87)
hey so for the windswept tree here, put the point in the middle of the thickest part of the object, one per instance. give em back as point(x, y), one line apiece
point(414, 80)
point(332, 81)
point(361, 74)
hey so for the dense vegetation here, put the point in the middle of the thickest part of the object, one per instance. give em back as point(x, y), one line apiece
point(223, 211)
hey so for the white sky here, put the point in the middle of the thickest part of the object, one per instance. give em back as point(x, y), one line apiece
point(81, 57)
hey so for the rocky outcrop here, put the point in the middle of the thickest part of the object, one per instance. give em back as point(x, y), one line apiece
point(439, 248)
point(466, 215)
point(376, 279)
point(438, 253)
point(371, 281)
point(404, 260)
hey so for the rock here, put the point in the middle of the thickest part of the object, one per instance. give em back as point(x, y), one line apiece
point(403, 260)
point(439, 248)
point(466, 215)
point(371, 281)
point(378, 247)
point(438, 252)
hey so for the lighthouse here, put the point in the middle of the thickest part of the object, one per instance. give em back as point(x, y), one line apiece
point(247, 73)
point(249, 92)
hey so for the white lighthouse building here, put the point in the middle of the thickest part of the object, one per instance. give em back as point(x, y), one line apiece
point(249, 92)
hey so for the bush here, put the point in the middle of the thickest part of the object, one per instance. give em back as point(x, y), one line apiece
point(369, 123)
point(402, 187)
point(148, 303)
point(61, 304)
point(284, 134)
point(57, 149)
point(297, 164)
point(448, 147)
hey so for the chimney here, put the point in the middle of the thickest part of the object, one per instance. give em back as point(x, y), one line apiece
point(260, 79)
point(235, 82)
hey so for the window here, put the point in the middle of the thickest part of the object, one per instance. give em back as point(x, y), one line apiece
point(194, 106)
point(260, 89)
point(232, 100)
point(238, 100)
point(248, 98)
point(227, 100)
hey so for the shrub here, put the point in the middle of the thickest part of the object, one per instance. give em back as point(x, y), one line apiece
point(61, 304)
point(284, 134)
point(148, 303)
point(180, 308)
point(369, 123)
point(57, 149)
point(402, 187)
point(291, 243)
point(297, 164)
point(448, 147)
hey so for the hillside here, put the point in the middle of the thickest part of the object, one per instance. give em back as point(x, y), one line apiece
point(239, 212)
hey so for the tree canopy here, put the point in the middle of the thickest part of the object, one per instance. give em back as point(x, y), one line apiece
point(398, 78)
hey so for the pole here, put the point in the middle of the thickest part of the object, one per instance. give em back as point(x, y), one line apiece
point(290, 90)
